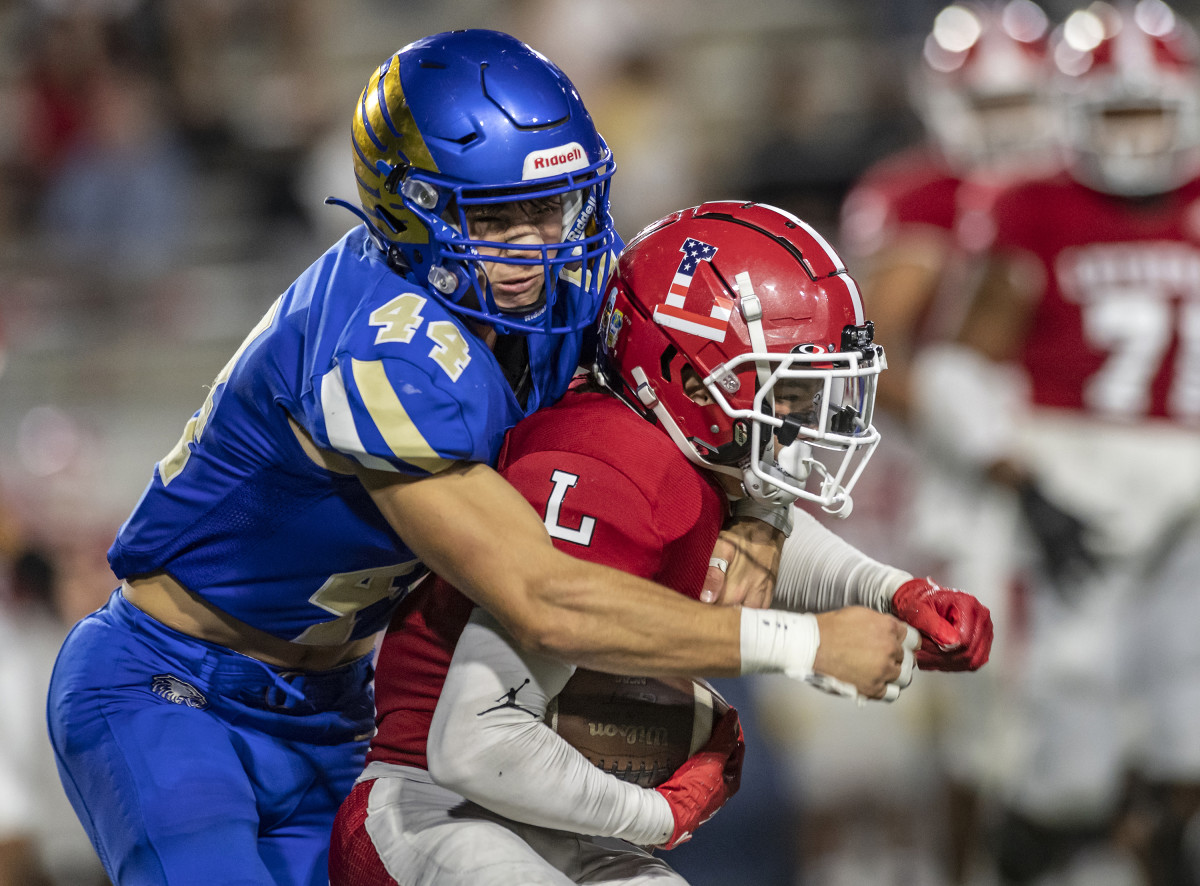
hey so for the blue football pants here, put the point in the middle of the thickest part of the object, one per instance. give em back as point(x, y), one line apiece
point(191, 764)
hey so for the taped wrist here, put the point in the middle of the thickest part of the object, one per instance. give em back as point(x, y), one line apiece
point(779, 642)
point(820, 572)
point(779, 516)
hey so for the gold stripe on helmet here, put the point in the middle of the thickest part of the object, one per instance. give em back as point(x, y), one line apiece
point(374, 140)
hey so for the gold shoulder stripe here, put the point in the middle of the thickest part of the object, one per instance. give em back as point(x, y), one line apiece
point(390, 417)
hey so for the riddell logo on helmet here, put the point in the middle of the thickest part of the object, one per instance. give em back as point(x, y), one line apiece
point(551, 161)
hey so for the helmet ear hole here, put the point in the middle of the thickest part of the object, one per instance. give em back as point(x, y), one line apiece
point(396, 225)
point(664, 362)
point(693, 386)
point(392, 183)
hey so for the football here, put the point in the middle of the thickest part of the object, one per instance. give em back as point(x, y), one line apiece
point(640, 729)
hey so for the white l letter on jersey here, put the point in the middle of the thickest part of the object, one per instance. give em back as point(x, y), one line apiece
point(587, 525)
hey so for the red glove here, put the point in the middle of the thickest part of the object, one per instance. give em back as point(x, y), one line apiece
point(709, 777)
point(956, 629)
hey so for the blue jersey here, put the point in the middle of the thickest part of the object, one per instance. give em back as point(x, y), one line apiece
point(370, 366)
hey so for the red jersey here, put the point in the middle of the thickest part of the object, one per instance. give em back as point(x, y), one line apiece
point(1116, 332)
point(612, 488)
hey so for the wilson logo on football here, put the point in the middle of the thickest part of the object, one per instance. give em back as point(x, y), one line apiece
point(676, 314)
point(565, 158)
point(651, 736)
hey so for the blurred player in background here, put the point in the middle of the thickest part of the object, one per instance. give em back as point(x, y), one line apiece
point(732, 338)
point(210, 718)
point(979, 90)
point(1082, 351)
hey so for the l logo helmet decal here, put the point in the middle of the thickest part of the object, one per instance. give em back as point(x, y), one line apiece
point(674, 315)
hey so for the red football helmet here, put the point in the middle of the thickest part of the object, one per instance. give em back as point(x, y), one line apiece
point(737, 327)
point(980, 87)
point(1129, 80)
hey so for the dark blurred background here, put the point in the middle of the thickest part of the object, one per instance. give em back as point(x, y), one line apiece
point(162, 169)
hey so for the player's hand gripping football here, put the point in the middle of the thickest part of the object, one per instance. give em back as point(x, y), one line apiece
point(956, 629)
point(709, 777)
point(744, 564)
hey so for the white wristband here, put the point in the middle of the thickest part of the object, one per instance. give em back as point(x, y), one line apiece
point(779, 642)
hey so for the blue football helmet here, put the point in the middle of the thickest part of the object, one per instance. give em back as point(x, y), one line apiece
point(466, 119)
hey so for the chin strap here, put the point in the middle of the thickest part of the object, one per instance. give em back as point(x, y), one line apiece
point(774, 513)
point(649, 401)
point(778, 515)
point(373, 229)
point(751, 309)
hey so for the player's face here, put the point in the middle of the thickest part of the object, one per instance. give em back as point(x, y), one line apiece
point(693, 387)
point(799, 398)
point(1010, 122)
point(1136, 131)
point(521, 223)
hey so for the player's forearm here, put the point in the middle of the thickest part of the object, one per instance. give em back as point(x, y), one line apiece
point(607, 620)
point(820, 572)
point(472, 528)
point(639, 628)
point(503, 757)
point(907, 273)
